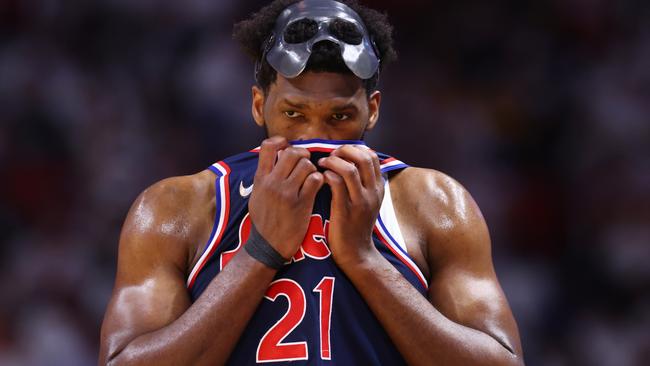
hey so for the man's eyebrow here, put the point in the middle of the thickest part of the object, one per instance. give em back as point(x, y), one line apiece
point(294, 105)
point(345, 107)
point(298, 105)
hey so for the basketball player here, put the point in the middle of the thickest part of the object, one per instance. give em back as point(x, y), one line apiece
point(311, 248)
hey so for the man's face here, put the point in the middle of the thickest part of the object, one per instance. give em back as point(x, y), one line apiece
point(316, 105)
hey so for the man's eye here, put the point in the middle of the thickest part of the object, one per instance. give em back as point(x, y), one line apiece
point(340, 116)
point(292, 114)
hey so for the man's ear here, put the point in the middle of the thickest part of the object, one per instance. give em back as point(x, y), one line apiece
point(373, 109)
point(257, 105)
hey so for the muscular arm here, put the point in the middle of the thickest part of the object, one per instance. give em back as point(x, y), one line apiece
point(466, 319)
point(150, 319)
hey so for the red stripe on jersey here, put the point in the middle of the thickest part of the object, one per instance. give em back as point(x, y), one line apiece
point(399, 255)
point(225, 197)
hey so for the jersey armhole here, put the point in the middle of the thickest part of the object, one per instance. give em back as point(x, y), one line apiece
point(389, 233)
point(222, 211)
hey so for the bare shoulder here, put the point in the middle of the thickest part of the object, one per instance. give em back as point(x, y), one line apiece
point(463, 284)
point(155, 246)
point(168, 219)
point(437, 198)
point(444, 212)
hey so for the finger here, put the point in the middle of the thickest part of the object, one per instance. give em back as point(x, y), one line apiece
point(362, 158)
point(303, 168)
point(288, 159)
point(376, 165)
point(340, 194)
point(377, 168)
point(347, 171)
point(268, 152)
point(311, 186)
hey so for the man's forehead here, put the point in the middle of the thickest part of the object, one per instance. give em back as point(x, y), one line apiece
point(322, 86)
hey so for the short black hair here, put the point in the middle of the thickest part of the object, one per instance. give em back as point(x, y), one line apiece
point(253, 32)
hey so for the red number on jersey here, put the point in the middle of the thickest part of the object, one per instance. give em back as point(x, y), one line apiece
point(271, 348)
point(326, 289)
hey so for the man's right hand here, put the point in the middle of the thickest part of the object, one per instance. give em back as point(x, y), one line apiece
point(285, 187)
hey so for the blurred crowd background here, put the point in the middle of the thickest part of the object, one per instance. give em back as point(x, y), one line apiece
point(540, 109)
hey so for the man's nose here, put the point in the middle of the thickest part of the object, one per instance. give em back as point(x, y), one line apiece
point(316, 130)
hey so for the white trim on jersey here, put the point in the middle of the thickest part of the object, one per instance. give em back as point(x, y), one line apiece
point(391, 163)
point(221, 212)
point(387, 212)
point(320, 145)
point(389, 229)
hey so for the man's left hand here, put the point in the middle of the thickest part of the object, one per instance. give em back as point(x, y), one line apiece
point(354, 176)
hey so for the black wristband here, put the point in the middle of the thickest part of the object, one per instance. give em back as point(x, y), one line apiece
point(257, 247)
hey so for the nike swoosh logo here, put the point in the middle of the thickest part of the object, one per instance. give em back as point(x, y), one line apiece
point(245, 191)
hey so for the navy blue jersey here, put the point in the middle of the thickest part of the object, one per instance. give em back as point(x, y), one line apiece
point(311, 314)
